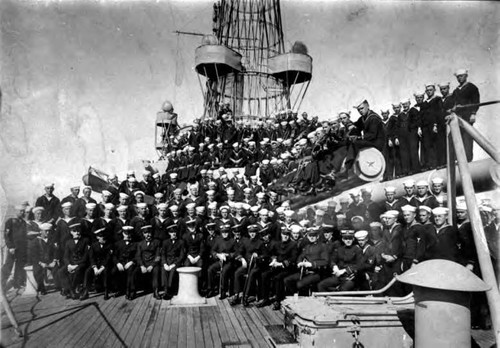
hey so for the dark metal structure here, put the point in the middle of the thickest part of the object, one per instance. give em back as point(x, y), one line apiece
point(244, 63)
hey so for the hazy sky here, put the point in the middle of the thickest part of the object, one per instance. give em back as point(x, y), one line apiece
point(82, 81)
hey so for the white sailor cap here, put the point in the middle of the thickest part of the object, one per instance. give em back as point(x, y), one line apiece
point(392, 213)
point(46, 227)
point(162, 206)
point(437, 180)
point(122, 208)
point(109, 205)
point(409, 208)
point(158, 195)
point(86, 187)
point(440, 211)
point(443, 84)
point(123, 195)
point(426, 208)
point(360, 235)
point(191, 206)
point(90, 205)
point(66, 205)
point(289, 213)
point(461, 72)
point(409, 183)
point(461, 205)
point(142, 205)
point(422, 183)
point(390, 189)
point(106, 193)
point(139, 192)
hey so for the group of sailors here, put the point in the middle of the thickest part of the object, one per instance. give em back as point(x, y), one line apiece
point(412, 138)
point(247, 242)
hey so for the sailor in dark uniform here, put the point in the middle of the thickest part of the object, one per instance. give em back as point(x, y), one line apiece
point(345, 262)
point(101, 256)
point(125, 263)
point(466, 93)
point(43, 256)
point(447, 246)
point(222, 249)
point(311, 263)
point(172, 257)
point(148, 260)
point(75, 262)
point(50, 203)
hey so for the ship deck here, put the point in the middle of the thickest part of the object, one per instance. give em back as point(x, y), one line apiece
point(53, 321)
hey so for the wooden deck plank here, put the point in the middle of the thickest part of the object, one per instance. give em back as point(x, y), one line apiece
point(158, 327)
point(138, 335)
point(71, 326)
point(117, 317)
point(150, 325)
point(231, 332)
point(190, 335)
point(218, 319)
point(258, 335)
point(205, 324)
point(167, 325)
point(250, 337)
point(111, 313)
point(182, 333)
point(240, 334)
point(173, 337)
point(98, 320)
point(125, 329)
point(198, 331)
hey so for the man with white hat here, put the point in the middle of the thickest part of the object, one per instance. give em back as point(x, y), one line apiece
point(75, 262)
point(73, 197)
point(466, 93)
point(391, 202)
point(412, 238)
point(409, 196)
point(373, 132)
point(139, 221)
point(357, 206)
point(424, 197)
point(51, 204)
point(120, 221)
point(100, 255)
point(125, 264)
point(437, 190)
point(345, 263)
point(43, 255)
point(80, 204)
point(17, 243)
point(412, 127)
point(392, 255)
point(432, 115)
point(447, 247)
point(87, 223)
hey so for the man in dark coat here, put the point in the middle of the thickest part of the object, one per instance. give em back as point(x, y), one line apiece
point(172, 257)
point(17, 244)
point(466, 93)
point(125, 263)
point(75, 262)
point(148, 260)
point(50, 203)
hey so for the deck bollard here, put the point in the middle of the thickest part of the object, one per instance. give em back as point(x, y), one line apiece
point(442, 303)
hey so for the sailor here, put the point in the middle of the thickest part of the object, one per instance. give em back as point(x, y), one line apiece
point(221, 252)
point(411, 237)
point(447, 246)
point(432, 114)
point(311, 263)
point(139, 221)
point(357, 207)
point(17, 243)
point(195, 245)
point(391, 202)
point(377, 279)
point(283, 258)
point(410, 131)
point(172, 257)
point(468, 252)
point(148, 260)
point(120, 221)
point(345, 263)
point(101, 253)
point(87, 223)
point(61, 233)
point(394, 247)
point(373, 133)
point(79, 207)
point(424, 197)
point(125, 263)
point(50, 203)
point(75, 262)
point(409, 197)
point(161, 222)
point(43, 256)
point(438, 192)
point(73, 197)
point(466, 93)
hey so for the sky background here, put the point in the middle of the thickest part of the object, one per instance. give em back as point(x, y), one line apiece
point(82, 81)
